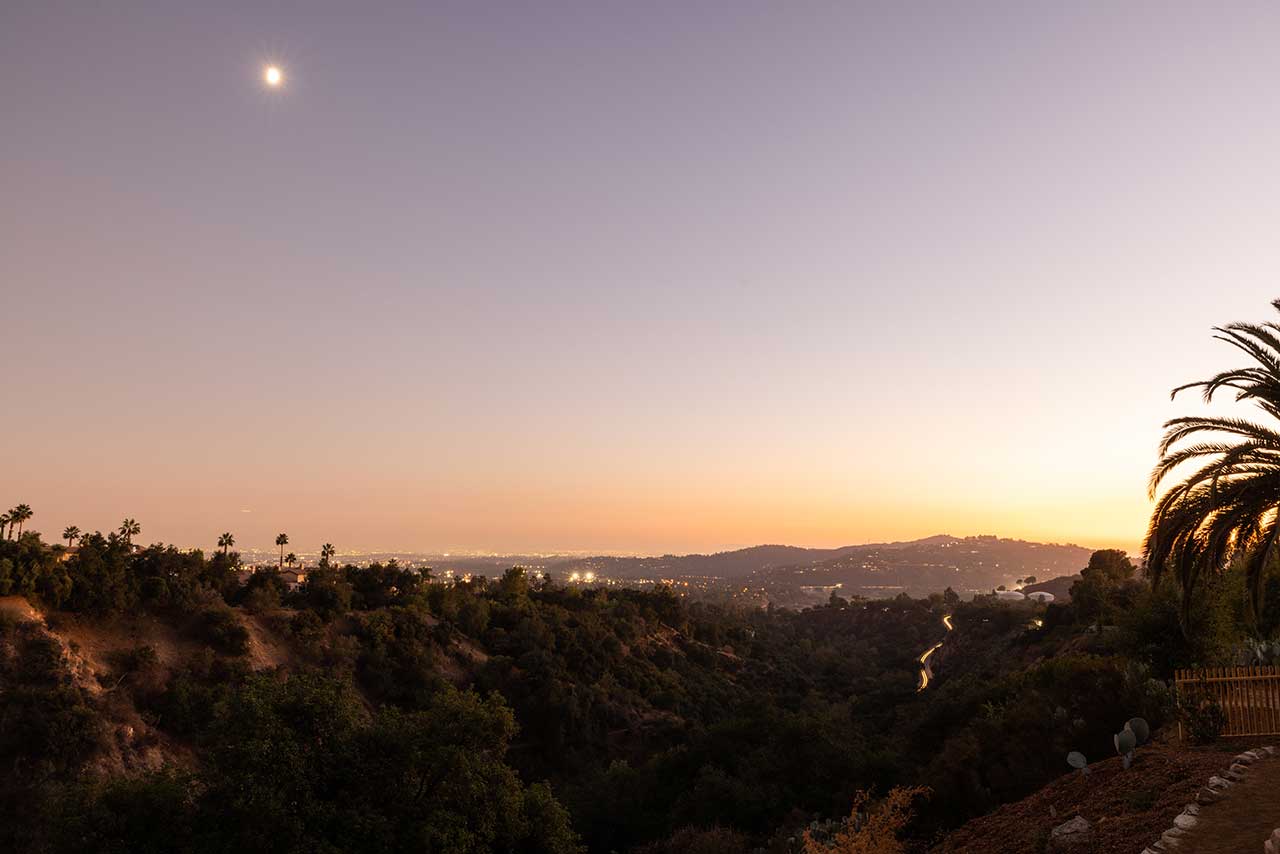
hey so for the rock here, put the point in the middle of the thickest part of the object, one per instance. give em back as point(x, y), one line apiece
point(1191, 809)
point(1074, 835)
point(1185, 822)
point(1172, 837)
point(1217, 783)
point(1207, 796)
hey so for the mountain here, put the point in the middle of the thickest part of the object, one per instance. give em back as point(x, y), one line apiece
point(732, 564)
point(966, 564)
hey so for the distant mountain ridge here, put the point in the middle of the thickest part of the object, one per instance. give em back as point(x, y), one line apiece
point(926, 563)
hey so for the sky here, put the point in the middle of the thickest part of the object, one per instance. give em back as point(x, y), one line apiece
point(641, 278)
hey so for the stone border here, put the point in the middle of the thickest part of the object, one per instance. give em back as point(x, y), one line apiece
point(1216, 790)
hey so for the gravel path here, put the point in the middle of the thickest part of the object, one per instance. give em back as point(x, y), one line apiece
point(1242, 821)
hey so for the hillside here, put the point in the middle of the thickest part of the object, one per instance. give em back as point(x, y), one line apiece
point(1060, 587)
point(792, 574)
point(1128, 810)
point(968, 565)
point(630, 720)
point(728, 565)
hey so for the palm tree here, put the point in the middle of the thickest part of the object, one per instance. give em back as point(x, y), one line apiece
point(129, 529)
point(71, 533)
point(226, 541)
point(5, 519)
point(19, 514)
point(291, 559)
point(282, 540)
point(327, 552)
point(1228, 507)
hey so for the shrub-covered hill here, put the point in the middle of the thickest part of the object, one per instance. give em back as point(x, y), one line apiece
point(374, 709)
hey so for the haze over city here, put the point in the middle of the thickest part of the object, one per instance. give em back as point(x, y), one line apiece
point(650, 279)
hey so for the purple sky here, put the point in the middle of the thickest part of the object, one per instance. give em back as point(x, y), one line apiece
point(621, 277)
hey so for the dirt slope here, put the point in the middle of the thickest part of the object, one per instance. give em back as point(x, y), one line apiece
point(1129, 809)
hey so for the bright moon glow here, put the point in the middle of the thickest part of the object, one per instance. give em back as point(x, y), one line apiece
point(273, 76)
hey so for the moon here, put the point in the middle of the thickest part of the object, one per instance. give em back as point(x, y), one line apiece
point(273, 76)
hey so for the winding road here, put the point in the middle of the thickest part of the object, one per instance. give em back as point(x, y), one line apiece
point(925, 673)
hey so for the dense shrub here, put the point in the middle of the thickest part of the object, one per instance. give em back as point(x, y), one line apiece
point(1202, 715)
point(222, 630)
point(692, 840)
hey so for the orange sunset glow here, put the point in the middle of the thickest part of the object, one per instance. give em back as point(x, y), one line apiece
point(493, 334)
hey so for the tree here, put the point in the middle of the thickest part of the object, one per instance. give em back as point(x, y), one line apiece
point(326, 593)
point(282, 540)
point(1229, 505)
point(129, 529)
point(5, 519)
point(1094, 594)
point(327, 552)
point(291, 559)
point(226, 541)
point(299, 765)
point(71, 533)
point(18, 516)
point(871, 830)
point(514, 585)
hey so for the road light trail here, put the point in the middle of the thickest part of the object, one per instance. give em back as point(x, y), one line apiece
point(924, 656)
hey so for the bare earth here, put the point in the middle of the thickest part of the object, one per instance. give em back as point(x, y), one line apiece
point(1129, 810)
point(1244, 819)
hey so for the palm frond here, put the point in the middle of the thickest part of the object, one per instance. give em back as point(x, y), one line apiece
point(1228, 506)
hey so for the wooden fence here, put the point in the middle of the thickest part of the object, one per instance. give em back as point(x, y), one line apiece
point(1250, 696)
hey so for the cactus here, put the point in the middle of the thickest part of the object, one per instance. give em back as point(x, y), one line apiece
point(1126, 741)
point(1141, 731)
point(1076, 760)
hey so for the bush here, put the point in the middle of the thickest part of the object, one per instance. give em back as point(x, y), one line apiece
point(691, 840)
point(1202, 715)
point(139, 659)
point(307, 628)
point(871, 830)
point(221, 629)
